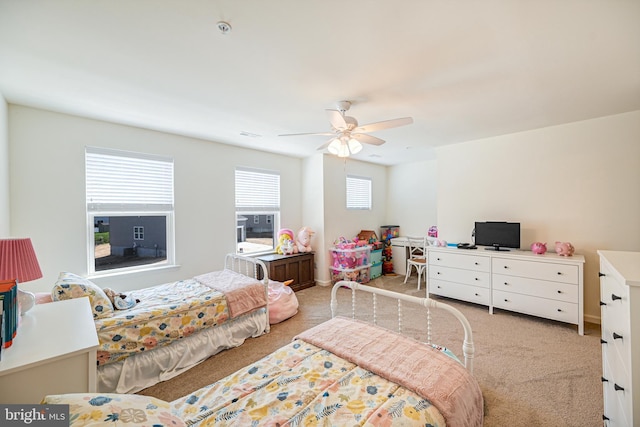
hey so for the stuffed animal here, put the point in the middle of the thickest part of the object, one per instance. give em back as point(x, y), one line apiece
point(303, 240)
point(284, 236)
point(119, 300)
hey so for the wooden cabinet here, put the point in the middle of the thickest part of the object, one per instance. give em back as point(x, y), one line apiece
point(54, 352)
point(548, 286)
point(620, 310)
point(297, 267)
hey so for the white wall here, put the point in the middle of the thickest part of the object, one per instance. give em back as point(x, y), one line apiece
point(338, 220)
point(48, 195)
point(411, 197)
point(578, 182)
point(313, 206)
point(5, 220)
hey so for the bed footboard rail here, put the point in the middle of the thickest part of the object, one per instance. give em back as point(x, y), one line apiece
point(468, 348)
point(248, 266)
point(251, 267)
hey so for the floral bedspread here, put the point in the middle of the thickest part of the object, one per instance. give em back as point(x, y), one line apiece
point(165, 313)
point(304, 385)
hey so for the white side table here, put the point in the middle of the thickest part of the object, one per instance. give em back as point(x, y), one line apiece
point(54, 352)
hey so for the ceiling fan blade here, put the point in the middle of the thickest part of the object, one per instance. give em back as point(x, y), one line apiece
point(306, 134)
point(367, 139)
point(387, 124)
point(325, 145)
point(337, 119)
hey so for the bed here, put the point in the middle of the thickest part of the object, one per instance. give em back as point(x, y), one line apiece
point(344, 371)
point(174, 326)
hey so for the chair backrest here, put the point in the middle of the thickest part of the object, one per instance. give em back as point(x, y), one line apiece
point(417, 247)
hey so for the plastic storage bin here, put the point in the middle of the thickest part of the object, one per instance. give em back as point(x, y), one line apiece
point(376, 256)
point(350, 258)
point(376, 270)
point(360, 274)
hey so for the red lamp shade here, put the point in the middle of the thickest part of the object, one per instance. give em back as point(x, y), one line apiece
point(18, 260)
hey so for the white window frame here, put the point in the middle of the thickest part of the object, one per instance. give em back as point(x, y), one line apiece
point(257, 192)
point(107, 198)
point(138, 230)
point(358, 190)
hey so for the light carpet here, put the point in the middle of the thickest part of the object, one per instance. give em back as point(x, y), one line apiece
point(532, 371)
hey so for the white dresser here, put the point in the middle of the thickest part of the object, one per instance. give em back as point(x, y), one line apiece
point(54, 352)
point(548, 285)
point(620, 324)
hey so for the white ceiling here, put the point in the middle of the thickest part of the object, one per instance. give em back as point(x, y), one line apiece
point(464, 70)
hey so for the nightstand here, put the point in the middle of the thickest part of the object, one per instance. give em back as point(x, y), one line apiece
point(54, 352)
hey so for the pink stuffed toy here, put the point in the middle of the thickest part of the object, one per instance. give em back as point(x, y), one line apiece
point(303, 239)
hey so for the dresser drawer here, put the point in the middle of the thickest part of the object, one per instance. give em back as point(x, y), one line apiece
point(616, 402)
point(543, 307)
point(467, 277)
point(473, 294)
point(538, 288)
point(536, 270)
point(457, 260)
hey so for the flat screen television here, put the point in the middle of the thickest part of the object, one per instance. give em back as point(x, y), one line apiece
point(499, 236)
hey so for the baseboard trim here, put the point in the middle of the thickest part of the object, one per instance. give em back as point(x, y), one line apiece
point(592, 319)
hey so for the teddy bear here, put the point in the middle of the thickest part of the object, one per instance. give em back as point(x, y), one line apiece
point(121, 301)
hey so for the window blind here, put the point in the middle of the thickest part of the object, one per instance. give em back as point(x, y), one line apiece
point(358, 192)
point(257, 191)
point(123, 181)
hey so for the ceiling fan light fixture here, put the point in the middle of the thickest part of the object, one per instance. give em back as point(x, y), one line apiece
point(334, 146)
point(354, 146)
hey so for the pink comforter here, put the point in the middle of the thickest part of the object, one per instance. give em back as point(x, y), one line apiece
point(244, 294)
point(407, 362)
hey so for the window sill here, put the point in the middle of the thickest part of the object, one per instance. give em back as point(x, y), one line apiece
point(133, 271)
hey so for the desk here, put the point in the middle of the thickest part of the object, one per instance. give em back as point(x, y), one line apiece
point(299, 267)
point(53, 352)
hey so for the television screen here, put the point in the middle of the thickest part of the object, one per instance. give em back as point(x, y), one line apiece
point(498, 235)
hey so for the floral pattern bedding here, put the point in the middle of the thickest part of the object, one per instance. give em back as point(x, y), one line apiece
point(165, 313)
point(304, 385)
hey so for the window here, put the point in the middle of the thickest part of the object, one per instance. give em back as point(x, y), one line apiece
point(138, 232)
point(257, 195)
point(128, 191)
point(358, 192)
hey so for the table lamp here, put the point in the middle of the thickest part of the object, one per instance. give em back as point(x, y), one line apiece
point(18, 262)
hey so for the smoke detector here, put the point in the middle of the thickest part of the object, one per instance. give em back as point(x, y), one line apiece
point(224, 27)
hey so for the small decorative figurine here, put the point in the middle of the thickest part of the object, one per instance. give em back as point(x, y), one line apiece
point(539, 248)
point(564, 248)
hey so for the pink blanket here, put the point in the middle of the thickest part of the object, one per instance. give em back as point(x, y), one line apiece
point(244, 294)
point(407, 362)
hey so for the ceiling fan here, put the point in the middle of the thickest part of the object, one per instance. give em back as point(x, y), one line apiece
point(347, 135)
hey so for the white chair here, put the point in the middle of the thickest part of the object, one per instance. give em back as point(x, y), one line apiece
point(417, 258)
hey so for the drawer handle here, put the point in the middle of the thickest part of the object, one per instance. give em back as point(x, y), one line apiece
point(601, 340)
point(604, 380)
point(437, 272)
point(475, 263)
point(602, 303)
point(438, 259)
point(605, 418)
point(559, 310)
point(506, 284)
point(615, 297)
point(617, 387)
point(438, 286)
point(559, 291)
point(616, 336)
point(477, 294)
point(506, 300)
point(601, 274)
point(506, 266)
point(476, 278)
point(559, 273)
